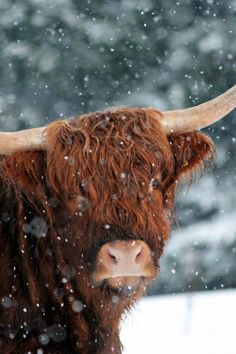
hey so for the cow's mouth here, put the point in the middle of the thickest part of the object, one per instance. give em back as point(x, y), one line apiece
point(123, 287)
point(127, 286)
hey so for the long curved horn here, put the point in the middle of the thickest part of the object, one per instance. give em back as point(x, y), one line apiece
point(31, 139)
point(201, 116)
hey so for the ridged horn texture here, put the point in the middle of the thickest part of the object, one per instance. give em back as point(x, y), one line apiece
point(201, 116)
point(31, 139)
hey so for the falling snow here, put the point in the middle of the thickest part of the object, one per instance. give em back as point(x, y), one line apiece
point(166, 54)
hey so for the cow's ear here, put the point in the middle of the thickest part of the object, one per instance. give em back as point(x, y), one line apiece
point(192, 152)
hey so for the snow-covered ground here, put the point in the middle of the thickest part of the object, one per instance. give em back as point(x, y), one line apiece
point(197, 323)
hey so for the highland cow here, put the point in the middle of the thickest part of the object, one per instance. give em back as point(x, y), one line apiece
point(86, 207)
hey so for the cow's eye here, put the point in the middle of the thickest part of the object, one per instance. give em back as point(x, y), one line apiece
point(155, 183)
point(72, 195)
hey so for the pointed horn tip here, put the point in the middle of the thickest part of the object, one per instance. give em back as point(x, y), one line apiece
point(200, 116)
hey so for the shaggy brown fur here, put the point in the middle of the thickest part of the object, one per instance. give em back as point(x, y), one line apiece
point(116, 168)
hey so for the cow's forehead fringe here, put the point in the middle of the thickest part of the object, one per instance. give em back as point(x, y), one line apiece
point(109, 158)
point(113, 148)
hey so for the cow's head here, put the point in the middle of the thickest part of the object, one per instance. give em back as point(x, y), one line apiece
point(117, 172)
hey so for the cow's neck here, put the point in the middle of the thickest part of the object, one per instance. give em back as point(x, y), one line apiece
point(102, 317)
point(101, 328)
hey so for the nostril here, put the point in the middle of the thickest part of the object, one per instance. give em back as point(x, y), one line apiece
point(112, 257)
point(139, 254)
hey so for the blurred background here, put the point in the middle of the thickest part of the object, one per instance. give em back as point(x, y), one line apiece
point(59, 58)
